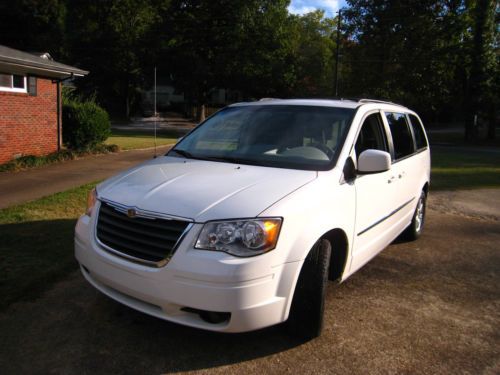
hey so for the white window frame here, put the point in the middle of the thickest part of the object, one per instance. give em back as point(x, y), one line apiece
point(15, 89)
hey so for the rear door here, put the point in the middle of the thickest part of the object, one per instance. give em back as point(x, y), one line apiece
point(406, 174)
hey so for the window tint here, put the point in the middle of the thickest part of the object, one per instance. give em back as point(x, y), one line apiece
point(371, 136)
point(418, 132)
point(401, 136)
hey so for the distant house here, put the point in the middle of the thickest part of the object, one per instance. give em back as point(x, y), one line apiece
point(30, 102)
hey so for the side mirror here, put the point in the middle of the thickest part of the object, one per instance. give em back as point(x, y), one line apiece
point(374, 161)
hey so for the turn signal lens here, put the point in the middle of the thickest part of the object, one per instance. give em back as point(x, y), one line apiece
point(91, 200)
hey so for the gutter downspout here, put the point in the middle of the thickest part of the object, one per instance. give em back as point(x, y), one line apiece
point(59, 111)
point(59, 114)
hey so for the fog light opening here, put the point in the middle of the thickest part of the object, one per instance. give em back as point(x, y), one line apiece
point(211, 317)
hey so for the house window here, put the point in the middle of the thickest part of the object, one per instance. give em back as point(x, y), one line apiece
point(12, 83)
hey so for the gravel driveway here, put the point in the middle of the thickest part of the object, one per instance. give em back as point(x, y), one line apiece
point(431, 306)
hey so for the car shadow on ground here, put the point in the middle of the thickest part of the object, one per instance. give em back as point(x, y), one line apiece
point(174, 347)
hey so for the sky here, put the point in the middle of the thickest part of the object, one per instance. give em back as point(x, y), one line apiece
point(305, 6)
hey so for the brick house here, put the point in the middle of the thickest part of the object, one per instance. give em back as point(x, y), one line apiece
point(30, 103)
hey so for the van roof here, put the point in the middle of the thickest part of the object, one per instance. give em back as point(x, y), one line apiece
point(338, 103)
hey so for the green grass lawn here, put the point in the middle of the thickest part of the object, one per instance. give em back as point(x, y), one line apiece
point(136, 140)
point(37, 244)
point(462, 169)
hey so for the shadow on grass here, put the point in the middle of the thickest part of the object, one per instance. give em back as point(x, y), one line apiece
point(458, 169)
point(33, 256)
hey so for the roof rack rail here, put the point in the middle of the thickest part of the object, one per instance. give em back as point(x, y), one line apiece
point(267, 99)
point(376, 101)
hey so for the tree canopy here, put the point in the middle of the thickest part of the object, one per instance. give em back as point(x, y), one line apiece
point(439, 57)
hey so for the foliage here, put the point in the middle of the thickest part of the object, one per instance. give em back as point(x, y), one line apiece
point(438, 57)
point(85, 125)
point(116, 41)
point(32, 161)
point(241, 44)
point(34, 25)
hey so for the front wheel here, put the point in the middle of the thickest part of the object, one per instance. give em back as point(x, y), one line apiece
point(306, 313)
point(416, 226)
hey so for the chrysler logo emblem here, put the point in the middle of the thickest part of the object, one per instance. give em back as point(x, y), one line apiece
point(131, 212)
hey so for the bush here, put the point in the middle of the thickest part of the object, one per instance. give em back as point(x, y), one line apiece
point(31, 161)
point(85, 125)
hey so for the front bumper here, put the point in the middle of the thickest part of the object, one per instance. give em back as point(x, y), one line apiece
point(255, 293)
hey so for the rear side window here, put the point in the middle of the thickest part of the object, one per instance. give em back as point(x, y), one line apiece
point(401, 136)
point(418, 132)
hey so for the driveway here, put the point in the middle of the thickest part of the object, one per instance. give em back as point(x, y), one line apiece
point(430, 306)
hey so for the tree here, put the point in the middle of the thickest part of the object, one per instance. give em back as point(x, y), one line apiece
point(34, 25)
point(481, 96)
point(112, 40)
point(314, 54)
point(239, 44)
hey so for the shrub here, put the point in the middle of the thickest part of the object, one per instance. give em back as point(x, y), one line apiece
point(85, 125)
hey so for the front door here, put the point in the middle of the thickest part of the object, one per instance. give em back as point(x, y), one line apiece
point(375, 196)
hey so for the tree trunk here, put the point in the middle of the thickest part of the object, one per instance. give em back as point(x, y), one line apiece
point(127, 106)
point(201, 113)
point(492, 122)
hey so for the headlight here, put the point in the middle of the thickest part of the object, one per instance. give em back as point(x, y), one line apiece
point(242, 238)
point(91, 199)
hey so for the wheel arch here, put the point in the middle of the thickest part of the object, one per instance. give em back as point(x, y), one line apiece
point(426, 188)
point(340, 251)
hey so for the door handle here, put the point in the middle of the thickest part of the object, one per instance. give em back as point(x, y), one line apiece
point(401, 175)
point(391, 179)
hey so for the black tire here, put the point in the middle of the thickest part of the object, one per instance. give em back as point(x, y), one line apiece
point(306, 313)
point(414, 230)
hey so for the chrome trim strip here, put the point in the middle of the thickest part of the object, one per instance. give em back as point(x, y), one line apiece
point(146, 214)
point(386, 217)
point(161, 263)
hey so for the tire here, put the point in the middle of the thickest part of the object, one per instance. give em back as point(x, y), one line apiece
point(306, 312)
point(414, 230)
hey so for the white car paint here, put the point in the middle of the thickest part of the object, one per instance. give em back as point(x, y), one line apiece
point(258, 290)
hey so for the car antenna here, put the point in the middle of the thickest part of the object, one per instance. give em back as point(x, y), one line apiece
point(155, 114)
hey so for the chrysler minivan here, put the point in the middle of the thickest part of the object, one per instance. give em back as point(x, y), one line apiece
point(243, 222)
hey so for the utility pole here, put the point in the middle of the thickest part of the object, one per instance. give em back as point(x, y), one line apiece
point(337, 58)
point(155, 114)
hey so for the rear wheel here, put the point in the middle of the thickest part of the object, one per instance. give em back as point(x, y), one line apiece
point(306, 313)
point(416, 226)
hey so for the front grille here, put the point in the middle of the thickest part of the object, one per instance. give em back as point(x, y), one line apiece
point(149, 239)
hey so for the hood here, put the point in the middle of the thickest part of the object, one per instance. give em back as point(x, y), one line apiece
point(202, 190)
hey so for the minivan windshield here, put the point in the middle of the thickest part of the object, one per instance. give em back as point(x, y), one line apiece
point(283, 136)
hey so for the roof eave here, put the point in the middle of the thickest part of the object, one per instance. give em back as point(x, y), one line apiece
point(43, 71)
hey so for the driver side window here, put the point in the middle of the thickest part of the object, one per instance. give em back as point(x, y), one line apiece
point(372, 135)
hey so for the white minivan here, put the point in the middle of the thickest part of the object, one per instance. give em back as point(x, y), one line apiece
point(243, 222)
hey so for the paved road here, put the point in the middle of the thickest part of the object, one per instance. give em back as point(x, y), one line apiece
point(32, 184)
point(426, 307)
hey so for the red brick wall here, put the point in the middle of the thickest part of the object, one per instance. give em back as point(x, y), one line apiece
point(28, 124)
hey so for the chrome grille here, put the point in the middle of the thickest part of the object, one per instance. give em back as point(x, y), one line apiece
point(152, 240)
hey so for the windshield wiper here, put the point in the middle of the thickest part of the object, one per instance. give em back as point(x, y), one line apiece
point(184, 153)
point(230, 159)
